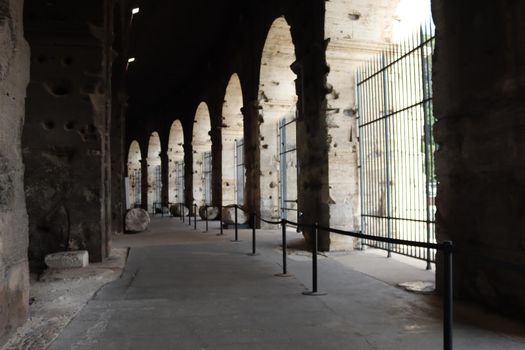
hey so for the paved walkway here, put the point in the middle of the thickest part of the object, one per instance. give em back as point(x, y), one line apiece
point(184, 289)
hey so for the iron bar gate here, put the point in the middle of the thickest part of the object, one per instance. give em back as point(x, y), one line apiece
point(206, 177)
point(288, 168)
point(157, 204)
point(179, 182)
point(239, 171)
point(398, 185)
point(137, 186)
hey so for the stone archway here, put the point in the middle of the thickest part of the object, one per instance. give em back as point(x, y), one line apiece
point(201, 145)
point(277, 98)
point(134, 175)
point(175, 156)
point(232, 130)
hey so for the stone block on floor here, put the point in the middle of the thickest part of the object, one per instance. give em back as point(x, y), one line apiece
point(67, 260)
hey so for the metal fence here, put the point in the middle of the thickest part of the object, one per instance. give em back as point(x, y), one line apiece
point(239, 171)
point(136, 183)
point(398, 185)
point(288, 168)
point(179, 182)
point(206, 177)
point(157, 204)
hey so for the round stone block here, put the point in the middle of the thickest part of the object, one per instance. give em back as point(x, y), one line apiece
point(228, 216)
point(137, 220)
point(211, 212)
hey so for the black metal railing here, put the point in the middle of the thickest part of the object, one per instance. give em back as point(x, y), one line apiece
point(445, 247)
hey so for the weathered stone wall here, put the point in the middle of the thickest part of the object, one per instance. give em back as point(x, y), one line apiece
point(357, 32)
point(65, 140)
point(479, 74)
point(14, 67)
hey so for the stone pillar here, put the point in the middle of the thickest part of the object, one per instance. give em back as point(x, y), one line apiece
point(188, 174)
point(118, 167)
point(312, 144)
point(252, 157)
point(144, 185)
point(216, 151)
point(478, 101)
point(14, 76)
point(66, 134)
point(165, 175)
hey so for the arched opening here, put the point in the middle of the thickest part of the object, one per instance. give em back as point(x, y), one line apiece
point(232, 130)
point(201, 145)
point(176, 163)
point(134, 176)
point(277, 97)
point(154, 174)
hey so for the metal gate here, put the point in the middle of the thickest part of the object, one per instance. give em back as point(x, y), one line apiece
point(157, 204)
point(288, 168)
point(179, 182)
point(137, 186)
point(239, 171)
point(397, 180)
point(206, 177)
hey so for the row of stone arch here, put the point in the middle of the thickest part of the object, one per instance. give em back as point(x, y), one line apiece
point(278, 100)
point(291, 84)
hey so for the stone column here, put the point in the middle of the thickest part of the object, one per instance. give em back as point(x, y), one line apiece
point(312, 146)
point(479, 103)
point(252, 157)
point(188, 174)
point(118, 168)
point(216, 151)
point(165, 167)
point(14, 76)
point(144, 184)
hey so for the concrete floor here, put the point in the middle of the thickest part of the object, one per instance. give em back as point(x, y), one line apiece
point(185, 289)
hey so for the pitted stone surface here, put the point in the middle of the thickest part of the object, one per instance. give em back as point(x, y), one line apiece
point(137, 220)
point(67, 260)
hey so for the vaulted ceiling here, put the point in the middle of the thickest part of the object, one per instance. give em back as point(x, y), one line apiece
point(177, 46)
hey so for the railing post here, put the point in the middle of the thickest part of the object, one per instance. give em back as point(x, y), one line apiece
point(181, 212)
point(285, 252)
point(448, 296)
point(236, 227)
point(315, 248)
point(220, 221)
point(254, 228)
point(195, 216)
point(189, 215)
point(206, 215)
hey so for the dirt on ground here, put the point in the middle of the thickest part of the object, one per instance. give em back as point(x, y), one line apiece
point(57, 296)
